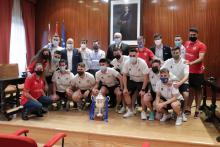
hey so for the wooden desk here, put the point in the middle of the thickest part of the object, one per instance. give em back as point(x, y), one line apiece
point(4, 82)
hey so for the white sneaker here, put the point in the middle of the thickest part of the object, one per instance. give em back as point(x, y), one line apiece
point(122, 110)
point(143, 115)
point(129, 113)
point(165, 117)
point(179, 120)
point(184, 118)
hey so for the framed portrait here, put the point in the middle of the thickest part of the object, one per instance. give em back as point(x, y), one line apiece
point(125, 17)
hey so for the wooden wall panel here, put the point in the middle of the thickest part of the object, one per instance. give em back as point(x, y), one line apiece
point(169, 17)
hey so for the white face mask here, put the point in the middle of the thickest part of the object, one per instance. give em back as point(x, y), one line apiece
point(69, 46)
point(103, 68)
point(133, 59)
point(55, 43)
point(62, 68)
point(83, 45)
point(158, 42)
point(117, 40)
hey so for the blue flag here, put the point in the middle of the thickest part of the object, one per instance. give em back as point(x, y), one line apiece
point(63, 36)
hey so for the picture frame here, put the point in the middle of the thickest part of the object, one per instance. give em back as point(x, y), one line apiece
point(125, 17)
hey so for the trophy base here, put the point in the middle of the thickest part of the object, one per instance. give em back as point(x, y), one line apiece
point(99, 118)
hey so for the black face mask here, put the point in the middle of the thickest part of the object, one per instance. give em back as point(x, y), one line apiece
point(95, 47)
point(39, 72)
point(80, 73)
point(45, 57)
point(155, 69)
point(118, 57)
point(192, 38)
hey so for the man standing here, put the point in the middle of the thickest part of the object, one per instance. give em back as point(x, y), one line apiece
point(71, 55)
point(178, 43)
point(160, 50)
point(195, 53)
point(118, 43)
point(54, 45)
point(95, 56)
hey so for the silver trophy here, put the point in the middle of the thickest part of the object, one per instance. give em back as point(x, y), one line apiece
point(100, 103)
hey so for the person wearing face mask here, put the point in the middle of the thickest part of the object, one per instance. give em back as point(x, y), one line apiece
point(43, 56)
point(177, 67)
point(81, 86)
point(195, 53)
point(135, 77)
point(71, 55)
point(178, 42)
point(54, 45)
point(119, 44)
point(33, 97)
point(61, 81)
point(85, 52)
point(168, 97)
point(144, 52)
point(109, 82)
point(95, 55)
point(160, 50)
point(150, 96)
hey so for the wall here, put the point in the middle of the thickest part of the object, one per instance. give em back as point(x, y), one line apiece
point(169, 17)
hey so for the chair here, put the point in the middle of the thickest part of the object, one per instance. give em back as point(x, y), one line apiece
point(15, 140)
point(145, 144)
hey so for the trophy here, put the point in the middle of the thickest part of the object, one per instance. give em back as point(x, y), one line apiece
point(99, 108)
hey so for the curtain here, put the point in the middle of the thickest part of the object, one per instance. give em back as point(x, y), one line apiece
point(28, 13)
point(5, 29)
point(17, 52)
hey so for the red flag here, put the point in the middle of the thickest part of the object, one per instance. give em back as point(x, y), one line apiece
point(49, 37)
point(56, 32)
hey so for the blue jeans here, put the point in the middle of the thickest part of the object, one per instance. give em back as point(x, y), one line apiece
point(36, 106)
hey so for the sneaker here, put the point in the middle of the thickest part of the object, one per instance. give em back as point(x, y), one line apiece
point(143, 115)
point(184, 117)
point(165, 117)
point(122, 110)
point(24, 115)
point(179, 120)
point(151, 116)
point(196, 115)
point(187, 112)
point(129, 113)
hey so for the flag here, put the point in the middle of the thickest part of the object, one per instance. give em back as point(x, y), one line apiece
point(56, 31)
point(48, 36)
point(63, 36)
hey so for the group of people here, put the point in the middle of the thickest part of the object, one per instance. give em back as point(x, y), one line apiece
point(157, 79)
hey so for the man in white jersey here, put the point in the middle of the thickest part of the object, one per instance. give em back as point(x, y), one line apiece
point(81, 86)
point(118, 63)
point(61, 81)
point(54, 45)
point(109, 82)
point(168, 97)
point(176, 65)
point(135, 77)
point(150, 96)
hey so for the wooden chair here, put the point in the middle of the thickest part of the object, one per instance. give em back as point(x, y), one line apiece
point(16, 140)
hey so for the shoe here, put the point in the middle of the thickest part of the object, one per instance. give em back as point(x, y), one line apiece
point(196, 115)
point(143, 115)
point(44, 110)
point(122, 110)
point(24, 115)
point(179, 120)
point(165, 117)
point(187, 112)
point(184, 117)
point(151, 116)
point(129, 113)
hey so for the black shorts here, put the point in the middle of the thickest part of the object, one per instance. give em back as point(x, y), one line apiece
point(62, 95)
point(133, 86)
point(196, 80)
point(169, 105)
point(87, 99)
point(184, 88)
point(111, 90)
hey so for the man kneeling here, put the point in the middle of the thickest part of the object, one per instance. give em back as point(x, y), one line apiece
point(81, 86)
point(168, 97)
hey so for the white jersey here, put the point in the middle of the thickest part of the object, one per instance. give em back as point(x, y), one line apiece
point(168, 91)
point(85, 53)
point(83, 83)
point(62, 80)
point(153, 78)
point(109, 78)
point(180, 69)
point(118, 64)
point(137, 71)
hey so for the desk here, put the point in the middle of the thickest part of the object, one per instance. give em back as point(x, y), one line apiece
point(3, 84)
point(210, 110)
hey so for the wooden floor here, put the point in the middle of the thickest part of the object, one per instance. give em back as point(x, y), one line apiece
point(130, 132)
